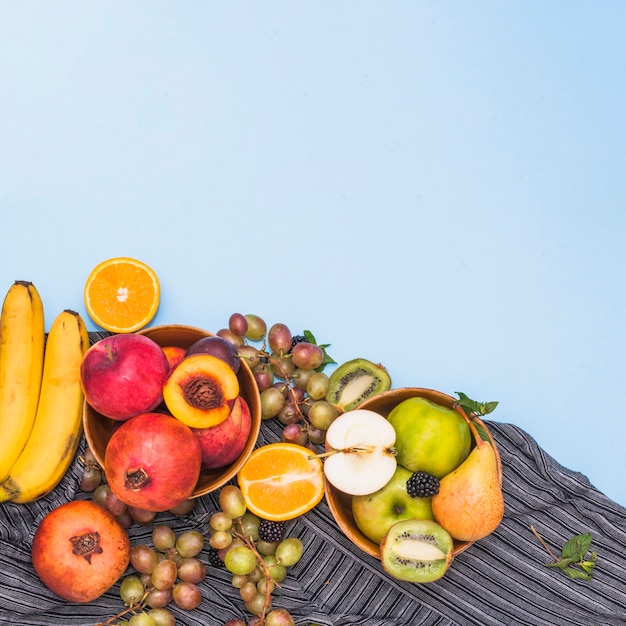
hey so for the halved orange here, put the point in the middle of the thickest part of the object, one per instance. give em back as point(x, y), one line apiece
point(281, 481)
point(122, 294)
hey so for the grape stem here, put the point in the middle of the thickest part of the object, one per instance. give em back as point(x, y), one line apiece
point(241, 534)
point(133, 608)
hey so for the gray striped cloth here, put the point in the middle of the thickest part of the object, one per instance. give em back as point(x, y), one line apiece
point(500, 580)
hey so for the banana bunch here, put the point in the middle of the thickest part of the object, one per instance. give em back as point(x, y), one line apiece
point(41, 396)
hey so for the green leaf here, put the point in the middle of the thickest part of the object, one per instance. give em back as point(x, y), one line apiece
point(308, 335)
point(472, 406)
point(577, 547)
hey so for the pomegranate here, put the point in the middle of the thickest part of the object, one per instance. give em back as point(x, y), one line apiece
point(152, 462)
point(80, 550)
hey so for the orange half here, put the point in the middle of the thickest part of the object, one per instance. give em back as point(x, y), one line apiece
point(122, 294)
point(281, 481)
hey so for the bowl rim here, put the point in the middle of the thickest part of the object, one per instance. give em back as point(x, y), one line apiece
point(339, 503)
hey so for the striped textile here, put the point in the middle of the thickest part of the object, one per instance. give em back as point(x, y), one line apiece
point(499, 581)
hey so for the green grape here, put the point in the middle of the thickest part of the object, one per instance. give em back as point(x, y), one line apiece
point(190, 543)
point(279, 617)
point(131, 590)
point(248, 591)
point(220, 539)
point(257, 604)
point(256, 327)
point(220, 521)
point(282, 366)
point(289, 551)
point(277, 570)
point(231, 501)
point(266, 547)
point(322, 414)
point(272, 401)
point(162, 617)
point(163, 538)
point(186, 506)
point(317, 386)
point(256, 574)
point(301, 377)
point(141, 619)
point(240, 560)
point(143, 558)
point(250, 355)
point(264, 584)
point(164, 574)
point(237, 581)
point(250, 524)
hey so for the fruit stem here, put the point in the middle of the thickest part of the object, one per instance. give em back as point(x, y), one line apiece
point(132, 608)
point(477, 438)
point(543, 543)
point(241, 534)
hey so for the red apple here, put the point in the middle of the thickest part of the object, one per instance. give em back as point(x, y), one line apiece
point(152, 462)
point(222, 444)
point(123, 375)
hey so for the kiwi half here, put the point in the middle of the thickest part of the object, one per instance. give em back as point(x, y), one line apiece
point(354, 382)
point(418, 551)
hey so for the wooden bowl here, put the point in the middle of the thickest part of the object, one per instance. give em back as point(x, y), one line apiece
point(340, 503)
point(98, 428)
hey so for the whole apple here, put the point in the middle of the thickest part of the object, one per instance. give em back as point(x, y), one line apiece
point(376, 512)
point(123, 375)
point(222, 444)
point(429, 437)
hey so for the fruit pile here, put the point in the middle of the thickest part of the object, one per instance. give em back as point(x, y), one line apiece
point(421, 477)
point(289, 373)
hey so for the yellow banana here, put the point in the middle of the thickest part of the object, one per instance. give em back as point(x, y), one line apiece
point(57, 430)
point(22, 339)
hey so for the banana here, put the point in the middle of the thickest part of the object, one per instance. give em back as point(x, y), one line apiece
point(57, 430)
point(22, 339)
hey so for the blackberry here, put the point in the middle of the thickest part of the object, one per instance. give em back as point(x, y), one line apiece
point(271, 531)
point(296, 339)
point(422, 485)
point(214, 557)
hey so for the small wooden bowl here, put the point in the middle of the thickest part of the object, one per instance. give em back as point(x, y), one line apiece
point(340, 503)
point(98, 428)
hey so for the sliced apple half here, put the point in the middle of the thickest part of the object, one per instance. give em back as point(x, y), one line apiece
point(361, 458)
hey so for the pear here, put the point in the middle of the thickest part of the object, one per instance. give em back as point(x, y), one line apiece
point(361, 458)
point(470, 503)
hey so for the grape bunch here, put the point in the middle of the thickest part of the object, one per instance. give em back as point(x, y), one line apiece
point(168, 571)
point(289, 372)
point(257, 554)
point(93, 481)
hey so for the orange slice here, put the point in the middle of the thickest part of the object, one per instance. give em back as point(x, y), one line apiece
point(122, 294)
point(280, 481)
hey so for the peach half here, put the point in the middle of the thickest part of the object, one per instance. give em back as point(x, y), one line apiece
point(201, 390)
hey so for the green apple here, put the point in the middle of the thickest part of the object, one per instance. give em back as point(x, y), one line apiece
point(376, 512)
point(429, 437)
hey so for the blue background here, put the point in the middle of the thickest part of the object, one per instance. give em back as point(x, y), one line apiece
point(438, 187)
